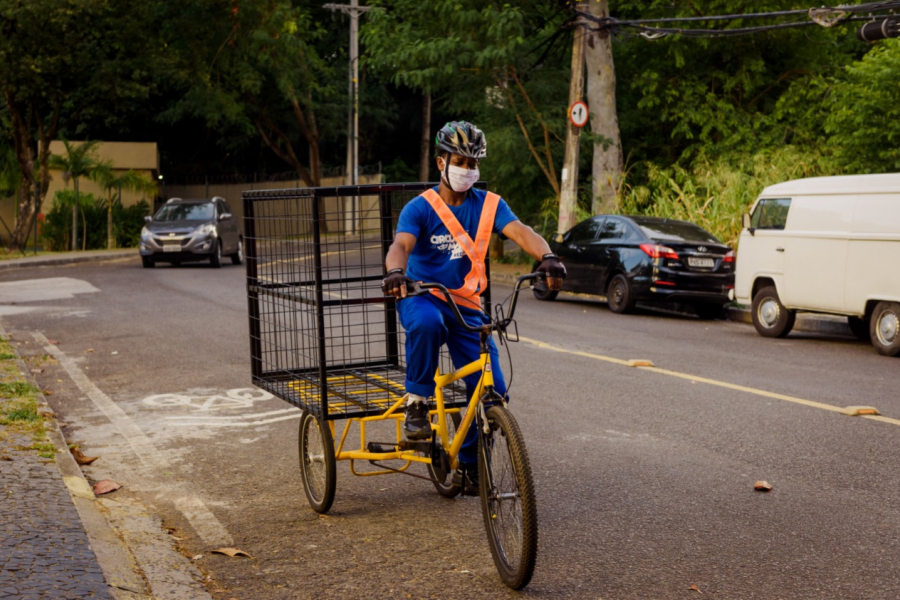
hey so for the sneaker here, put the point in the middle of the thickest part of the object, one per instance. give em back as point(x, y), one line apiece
point(467, 477)
point(416, 425)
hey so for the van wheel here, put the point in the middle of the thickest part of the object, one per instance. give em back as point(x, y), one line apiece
point(885, 328)
point(770, 317)
point(860, 328)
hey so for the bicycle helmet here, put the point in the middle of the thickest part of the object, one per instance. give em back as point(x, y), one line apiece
point(460, 137)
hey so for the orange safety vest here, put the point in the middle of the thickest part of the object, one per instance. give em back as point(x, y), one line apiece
point(469, 295)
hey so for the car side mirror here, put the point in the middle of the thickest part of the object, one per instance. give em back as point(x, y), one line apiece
point(148, 218)
point(745, 221)
point(224, 216)
point(558, 238)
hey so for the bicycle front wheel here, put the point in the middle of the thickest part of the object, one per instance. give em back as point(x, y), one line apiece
point(507, 498)
point(317, 463)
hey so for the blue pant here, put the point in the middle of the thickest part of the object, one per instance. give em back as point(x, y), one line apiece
point(429, 324)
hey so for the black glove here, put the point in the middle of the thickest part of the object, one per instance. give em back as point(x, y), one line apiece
point(394, 284)
point(553, 270)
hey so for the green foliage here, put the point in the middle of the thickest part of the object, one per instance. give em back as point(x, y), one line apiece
point(57, 227)
point(864, 115)
point(10, 178)
point(714, 192)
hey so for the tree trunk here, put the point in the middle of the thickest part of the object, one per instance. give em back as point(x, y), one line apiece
point(75, 218)
point(110, 238)
point(425, 144)
point(601, 95)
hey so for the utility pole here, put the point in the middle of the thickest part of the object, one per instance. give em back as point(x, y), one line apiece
point(354, 10)
point(568, 198)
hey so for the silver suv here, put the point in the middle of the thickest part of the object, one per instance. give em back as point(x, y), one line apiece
point(192, 230)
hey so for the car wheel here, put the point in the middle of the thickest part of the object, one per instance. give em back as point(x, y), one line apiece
point(884, 328)
point(147, 262)
point(238, 257)
point(770, 317)
point(619, 296)
point(708, 312)
point(215, 259)
point(860, 328)
point(542, 292)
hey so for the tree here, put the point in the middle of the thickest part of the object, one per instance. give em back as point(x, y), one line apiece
point(113, 183)
point(80, 160)
point(863, 115)
point(254, 69)
point(63, 62)
point(607, 163)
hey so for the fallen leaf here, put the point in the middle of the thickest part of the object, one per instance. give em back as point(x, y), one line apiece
point(197, 557)
point(114, 352)
point(104, 487)
point(54, 342)
point(232, 552)
point(80, 458)
point(696, 589)
point(762, 486)
point(90, 350)
point(48, 392)
point(37, 370)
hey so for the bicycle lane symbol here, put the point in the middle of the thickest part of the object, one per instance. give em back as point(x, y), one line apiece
point(198, 408)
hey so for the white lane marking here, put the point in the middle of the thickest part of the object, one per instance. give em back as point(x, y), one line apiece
point(237, 424)
point(210, 419)
point(201, 519)
point(48, 288)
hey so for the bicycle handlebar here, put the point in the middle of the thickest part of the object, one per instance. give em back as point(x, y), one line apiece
point(421, 288)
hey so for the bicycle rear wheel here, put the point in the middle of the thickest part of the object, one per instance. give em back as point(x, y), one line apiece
point(317, 464)
point(507, 498)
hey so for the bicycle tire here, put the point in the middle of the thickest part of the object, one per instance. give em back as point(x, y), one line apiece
point(317, 464)
point(445, 486)
point(508, 501)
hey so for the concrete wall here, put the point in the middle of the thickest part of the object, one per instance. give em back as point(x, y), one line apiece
point(336, 209)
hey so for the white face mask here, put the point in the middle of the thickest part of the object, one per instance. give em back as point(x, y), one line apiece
point(460, 179)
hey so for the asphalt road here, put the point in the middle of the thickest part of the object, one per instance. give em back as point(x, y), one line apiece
point(644, 476)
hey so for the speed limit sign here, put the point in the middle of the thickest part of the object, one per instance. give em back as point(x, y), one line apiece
point(578, 114)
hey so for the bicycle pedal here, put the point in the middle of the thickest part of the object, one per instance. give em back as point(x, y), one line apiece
point(375, 448)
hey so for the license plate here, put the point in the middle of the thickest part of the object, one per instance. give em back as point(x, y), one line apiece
point(172, 248)
point(705, 263)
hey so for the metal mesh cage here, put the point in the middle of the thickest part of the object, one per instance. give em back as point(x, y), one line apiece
point(322, 335)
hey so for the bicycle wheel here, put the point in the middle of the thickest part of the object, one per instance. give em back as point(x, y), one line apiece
point(317, 464)
point(507, 498)
point(440, 474)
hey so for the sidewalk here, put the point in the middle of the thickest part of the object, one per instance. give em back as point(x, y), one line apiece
point(64, 258)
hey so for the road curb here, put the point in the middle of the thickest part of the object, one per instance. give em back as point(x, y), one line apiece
point(119, 567)
point(65, 259)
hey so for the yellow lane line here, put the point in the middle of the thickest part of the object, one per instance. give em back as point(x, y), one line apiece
point(723, 384)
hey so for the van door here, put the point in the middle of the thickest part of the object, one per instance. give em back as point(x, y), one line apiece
point(761, 253)
point(815, 261)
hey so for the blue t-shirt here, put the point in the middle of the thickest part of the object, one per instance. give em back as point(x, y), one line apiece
point(437, 257)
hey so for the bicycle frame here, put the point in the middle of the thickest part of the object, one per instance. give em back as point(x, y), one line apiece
point(416, 451)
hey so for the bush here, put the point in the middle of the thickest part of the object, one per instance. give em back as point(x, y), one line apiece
point(713, 193)
point(92, 218)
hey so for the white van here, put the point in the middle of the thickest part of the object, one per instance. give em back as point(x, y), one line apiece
point(826, 245)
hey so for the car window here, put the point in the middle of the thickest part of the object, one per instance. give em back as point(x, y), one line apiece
point(584, 232)
point(675, 231)
point(770, 213)
point(614, 229)
point(186, 212)
point(226, 207)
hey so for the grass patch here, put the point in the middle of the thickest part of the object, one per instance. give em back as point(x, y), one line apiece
point(19, 412)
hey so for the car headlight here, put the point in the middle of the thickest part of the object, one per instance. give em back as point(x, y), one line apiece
point(207, 229)
point(145, 234)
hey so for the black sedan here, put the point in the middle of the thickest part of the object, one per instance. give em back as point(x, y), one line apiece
point(631, 259)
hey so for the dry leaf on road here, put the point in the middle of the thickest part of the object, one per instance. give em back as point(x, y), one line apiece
point(80, 458)
point(232, 552)
point(696, 589)
point(54, 342)
point(47, 392)
point(762, 486)
point(106, 486)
